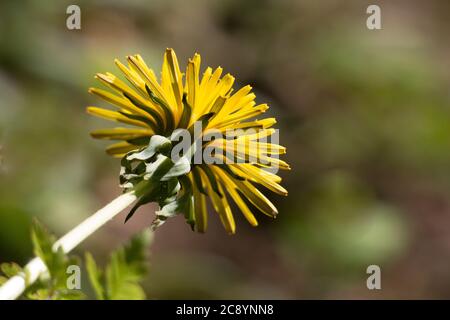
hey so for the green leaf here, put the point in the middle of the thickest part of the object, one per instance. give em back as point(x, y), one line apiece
point(136, 252)
point(42, 243)
point(52, 285)
point(40, 294)
point(55, 261)
point(95, 276)
point(49, 294)
point(10, 269)
point(126, 268)
point(67, 294)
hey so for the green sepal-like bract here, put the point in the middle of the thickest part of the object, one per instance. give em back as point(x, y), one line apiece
point(154, 177)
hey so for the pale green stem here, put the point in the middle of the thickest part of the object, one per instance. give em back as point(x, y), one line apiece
point(16, 285)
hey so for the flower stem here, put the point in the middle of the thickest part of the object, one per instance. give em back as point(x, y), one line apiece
point(16, 285)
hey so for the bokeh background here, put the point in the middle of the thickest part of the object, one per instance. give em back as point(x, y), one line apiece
point(364, 115)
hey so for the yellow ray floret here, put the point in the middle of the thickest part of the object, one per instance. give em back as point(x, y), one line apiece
point(148, 106)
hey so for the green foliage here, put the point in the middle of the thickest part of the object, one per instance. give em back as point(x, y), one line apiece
point(54, 284)
point(9, 269)
point(119, 280)
point(126, 268)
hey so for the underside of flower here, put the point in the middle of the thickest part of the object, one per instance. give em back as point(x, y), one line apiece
point(185, 142)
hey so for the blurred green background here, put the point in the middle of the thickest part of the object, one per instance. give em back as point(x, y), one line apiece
point(364, 115)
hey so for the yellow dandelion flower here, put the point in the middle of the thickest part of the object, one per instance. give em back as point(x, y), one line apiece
point(153, 112)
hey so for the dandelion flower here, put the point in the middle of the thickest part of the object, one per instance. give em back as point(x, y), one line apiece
point(153, 112)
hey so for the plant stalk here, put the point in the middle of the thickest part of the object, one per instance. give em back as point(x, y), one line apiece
point(17, 284)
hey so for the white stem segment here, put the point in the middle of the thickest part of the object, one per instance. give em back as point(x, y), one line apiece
point(16, 285)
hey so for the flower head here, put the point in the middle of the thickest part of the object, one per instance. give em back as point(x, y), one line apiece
point(219, 123)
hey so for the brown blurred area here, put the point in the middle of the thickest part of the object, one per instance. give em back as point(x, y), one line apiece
point(364, 115)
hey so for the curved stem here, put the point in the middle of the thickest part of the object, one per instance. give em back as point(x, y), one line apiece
point(16, 285)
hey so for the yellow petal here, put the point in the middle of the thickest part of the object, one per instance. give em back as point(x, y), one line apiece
point(236, 99)
point(257, 124)
point(205, 79)
point(192, 80)
point(231, 189)
point(115, 83)
point(121, 133)
point(270, 162)
point(260, 176)
point(221, 206)
point(257, 198)
point(239, 116)
point(220, 89)
point(132, 76)
point(120, 148)
point(113, 115)
point(172, 79)
point(236, 168)
point(148, 76)
point(117, 101)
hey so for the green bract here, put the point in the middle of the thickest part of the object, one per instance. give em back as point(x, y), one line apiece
point(155, 177)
